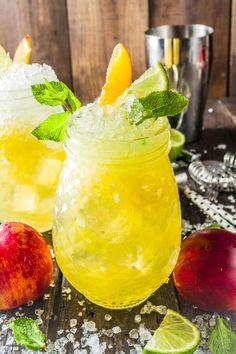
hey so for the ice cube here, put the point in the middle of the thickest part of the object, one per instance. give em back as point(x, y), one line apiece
point(47, 172)
point(47, 204)
point(22, 76)
point(25, 198)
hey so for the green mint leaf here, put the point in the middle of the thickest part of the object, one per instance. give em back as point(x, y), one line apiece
point(52, 128)
point(222, 339)
point(73, 101)
point(53, 93)
point(56, 93)
point(157, 104)
point(27, 333)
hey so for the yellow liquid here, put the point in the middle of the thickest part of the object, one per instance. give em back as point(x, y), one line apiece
point(29, 171)
point(117, 229)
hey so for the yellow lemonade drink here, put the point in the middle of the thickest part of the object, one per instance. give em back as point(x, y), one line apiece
point(29, 167)
point(117, 216)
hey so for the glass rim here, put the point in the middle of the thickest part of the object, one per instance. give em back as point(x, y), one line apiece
point(116, 151)
point(15, 95)
point(86, 135)
point(198, 31)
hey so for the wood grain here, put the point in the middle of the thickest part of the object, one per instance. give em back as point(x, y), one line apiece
point(95, 27)
point(232, 62)
point(215, 13)
point(46, 22)
point(216, 109)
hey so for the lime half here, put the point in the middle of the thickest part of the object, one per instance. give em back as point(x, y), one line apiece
point(5, 61)
point(153, 79)
point(176, 334)
point(177, 143)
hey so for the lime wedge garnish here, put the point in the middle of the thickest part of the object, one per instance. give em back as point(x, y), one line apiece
point(5, 61)
point(177, 143)
point(175, 335)
point(153, 79)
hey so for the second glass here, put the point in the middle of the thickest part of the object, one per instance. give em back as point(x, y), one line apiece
point(29, 168)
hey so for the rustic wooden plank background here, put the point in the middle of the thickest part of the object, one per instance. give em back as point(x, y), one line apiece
point(76, 37)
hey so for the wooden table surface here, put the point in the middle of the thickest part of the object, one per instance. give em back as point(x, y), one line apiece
point(74, 325)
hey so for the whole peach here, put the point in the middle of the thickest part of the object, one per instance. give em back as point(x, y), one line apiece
point(26, 265)
point(205, 273)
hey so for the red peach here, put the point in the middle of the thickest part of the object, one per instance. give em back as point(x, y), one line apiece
point(205, 273)
point(26, 265)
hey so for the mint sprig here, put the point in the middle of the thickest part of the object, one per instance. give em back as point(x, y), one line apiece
point(52, 128)
point(27, 333)
point(222, 339)
point(156, 104)
point(54, 93)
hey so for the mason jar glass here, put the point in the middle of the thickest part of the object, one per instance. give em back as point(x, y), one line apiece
point(117, 222)
point(29, 168)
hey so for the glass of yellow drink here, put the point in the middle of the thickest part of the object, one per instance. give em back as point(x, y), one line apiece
point(117, 217)
point(29, 168)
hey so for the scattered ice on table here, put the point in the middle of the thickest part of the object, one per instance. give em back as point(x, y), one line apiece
point(39, 312)
point(52, 285)
point(10, 341)
point(66, 293)
point(136, 348)
point(137, 318)
point(134, 334)
point(73, 322)
point(116, 329)
point(89, 326)
point(81, 302)
point(212, 322)
point(107, 332)
point(46, 296)
point(19, 314)
point(205, 323)
point(107, 317)
point(76, 344)
point(73, 330)
point(71, 337)
point(144, 334)
point(149, 307)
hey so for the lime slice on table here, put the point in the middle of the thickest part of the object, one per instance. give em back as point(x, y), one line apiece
point(153, 79)
point(175, 335)
point(177, 143)
point(5, 61)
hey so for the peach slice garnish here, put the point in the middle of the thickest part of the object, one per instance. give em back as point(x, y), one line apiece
point(23, 51)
